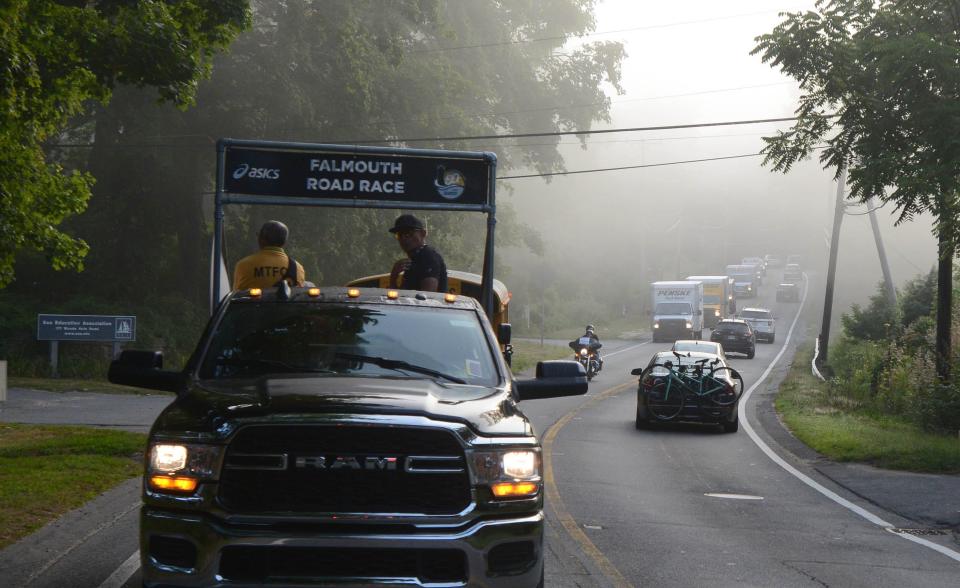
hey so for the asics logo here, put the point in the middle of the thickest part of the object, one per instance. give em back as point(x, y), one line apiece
point(260, 173)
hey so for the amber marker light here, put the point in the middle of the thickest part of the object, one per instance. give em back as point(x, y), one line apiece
point(174, 483)
point(450, 298)
point(353, 292)
point(393, 294)
point(515, 489)
point(313, 292)
point(255, 292)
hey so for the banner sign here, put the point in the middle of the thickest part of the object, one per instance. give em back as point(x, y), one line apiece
point(350, 174)
point(86, 327)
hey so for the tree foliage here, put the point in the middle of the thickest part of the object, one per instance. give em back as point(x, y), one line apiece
point(404, 73)
point(55, 57)
point(876, 322)
point(881, 90)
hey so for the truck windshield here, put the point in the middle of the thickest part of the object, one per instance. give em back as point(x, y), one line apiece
point(673, 308)
point(266, 338)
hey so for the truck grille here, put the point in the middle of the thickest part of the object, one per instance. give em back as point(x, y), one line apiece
point(308, 564)
point(344, 469)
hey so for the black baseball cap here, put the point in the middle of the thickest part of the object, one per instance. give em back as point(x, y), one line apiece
point(407, 221)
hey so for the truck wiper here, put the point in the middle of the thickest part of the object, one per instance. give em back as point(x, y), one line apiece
point(275, 363)
point(398, 364)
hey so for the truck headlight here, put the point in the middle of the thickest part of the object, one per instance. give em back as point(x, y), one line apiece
point(656, 325)
point(513, 473)
point(689, 325)
point(179, 467)
point(716, 312)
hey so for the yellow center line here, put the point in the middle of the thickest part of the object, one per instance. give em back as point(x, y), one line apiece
point(556, 502)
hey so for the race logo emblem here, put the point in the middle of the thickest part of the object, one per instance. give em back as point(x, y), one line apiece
point(450, 183)
point(241, 171)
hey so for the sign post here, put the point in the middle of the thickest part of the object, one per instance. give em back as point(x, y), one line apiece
point(350, 176)
point(84, 327)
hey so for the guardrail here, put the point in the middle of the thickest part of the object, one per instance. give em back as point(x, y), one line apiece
point(813, 362)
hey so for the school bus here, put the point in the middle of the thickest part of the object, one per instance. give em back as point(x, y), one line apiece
point(461, 283)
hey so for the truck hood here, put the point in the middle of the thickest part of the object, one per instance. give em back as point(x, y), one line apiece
point(210, 406)
point(666, 317)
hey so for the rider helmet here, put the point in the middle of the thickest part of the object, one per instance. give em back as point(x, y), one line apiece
point(590, 329)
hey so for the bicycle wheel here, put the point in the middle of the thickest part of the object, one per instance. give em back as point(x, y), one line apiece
point(664, 393)
point(723, 386)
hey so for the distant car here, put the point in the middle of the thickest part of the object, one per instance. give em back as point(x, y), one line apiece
point(772, 261)
point(792, 273)
point(694, 409)
point(757, 261)
point(698, 346)
point(736, 336)
point(794, 259)
point(762, 321)
point(788, 292)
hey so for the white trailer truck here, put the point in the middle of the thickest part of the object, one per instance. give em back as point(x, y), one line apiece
point(677, 310)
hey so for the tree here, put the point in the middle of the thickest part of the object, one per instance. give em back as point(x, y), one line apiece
point(55, 57)
point(341, 71)
point(881, 91)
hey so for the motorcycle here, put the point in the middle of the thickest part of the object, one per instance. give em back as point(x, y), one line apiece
point(586, 355)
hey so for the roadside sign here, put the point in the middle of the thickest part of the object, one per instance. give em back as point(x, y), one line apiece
point(86, 327)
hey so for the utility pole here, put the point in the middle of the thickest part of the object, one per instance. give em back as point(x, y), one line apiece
point(832, 268)
point(887, 279)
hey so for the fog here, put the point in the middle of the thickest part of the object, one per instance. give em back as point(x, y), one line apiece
point(689, 63)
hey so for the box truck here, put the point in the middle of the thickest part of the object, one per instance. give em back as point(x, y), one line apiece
point(677, 310)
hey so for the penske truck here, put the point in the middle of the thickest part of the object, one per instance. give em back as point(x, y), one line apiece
point(677, 310)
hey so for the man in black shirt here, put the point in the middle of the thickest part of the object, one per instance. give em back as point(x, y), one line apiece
point(424, 268)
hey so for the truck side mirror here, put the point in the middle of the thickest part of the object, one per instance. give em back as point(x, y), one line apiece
point(142, 369)
point(503, 333)
point(554, 379)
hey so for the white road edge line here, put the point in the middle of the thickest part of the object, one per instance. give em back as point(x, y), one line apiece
point(742, 415)
point(126, 570)
point(42, 569)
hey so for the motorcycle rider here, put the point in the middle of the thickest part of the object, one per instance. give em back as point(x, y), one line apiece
point(589, 340)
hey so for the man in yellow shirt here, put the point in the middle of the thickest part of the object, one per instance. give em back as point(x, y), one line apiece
point(267, 267)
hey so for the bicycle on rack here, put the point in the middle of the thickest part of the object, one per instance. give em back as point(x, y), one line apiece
point(689, 388)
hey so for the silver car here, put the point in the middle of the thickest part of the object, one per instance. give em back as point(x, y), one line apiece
point(762, 321)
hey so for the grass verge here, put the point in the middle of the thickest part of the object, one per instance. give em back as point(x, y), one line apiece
point(841, 434)
point(46, 471)
point(526, 354)
point(75, 385)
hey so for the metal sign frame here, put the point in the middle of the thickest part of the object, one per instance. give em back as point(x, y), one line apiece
point(278, 157)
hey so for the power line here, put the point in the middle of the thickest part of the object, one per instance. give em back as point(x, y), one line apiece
point(594, 34)
point(606, 169)
point(570, 133)
point(561, 108)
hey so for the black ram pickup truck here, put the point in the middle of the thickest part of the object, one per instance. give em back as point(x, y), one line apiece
point(344, 436)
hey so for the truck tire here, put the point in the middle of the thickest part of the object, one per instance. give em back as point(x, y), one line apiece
point(699, 334)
